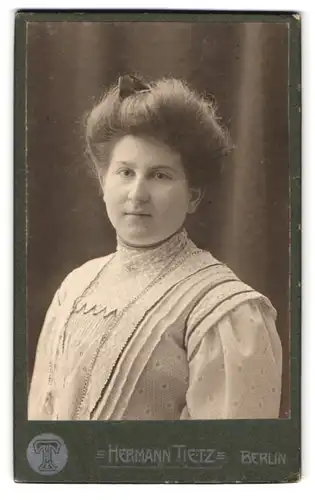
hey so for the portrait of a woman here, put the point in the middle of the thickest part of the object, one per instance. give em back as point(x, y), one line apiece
point(159, 329)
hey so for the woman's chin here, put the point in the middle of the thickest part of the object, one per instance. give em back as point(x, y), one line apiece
point(140, 238)
point(139, 242)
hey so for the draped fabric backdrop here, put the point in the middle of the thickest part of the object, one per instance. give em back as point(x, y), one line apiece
point(245, 219)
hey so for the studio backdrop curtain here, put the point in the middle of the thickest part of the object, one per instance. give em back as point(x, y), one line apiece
point(245, 219)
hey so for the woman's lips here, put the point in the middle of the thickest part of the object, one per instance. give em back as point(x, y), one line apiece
point(137, 214)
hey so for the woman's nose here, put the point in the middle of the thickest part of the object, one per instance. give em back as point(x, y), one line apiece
point(138, 190)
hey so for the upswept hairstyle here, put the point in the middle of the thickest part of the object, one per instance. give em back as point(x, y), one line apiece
point(166, 110)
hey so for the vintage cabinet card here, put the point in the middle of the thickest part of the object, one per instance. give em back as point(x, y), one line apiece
point(157, 247)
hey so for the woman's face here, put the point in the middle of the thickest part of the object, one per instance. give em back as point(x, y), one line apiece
point(146, 191)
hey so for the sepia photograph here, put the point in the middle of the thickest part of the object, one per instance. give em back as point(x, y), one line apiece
point(158, 220)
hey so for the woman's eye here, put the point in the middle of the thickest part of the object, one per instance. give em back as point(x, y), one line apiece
point(126, 172)
point(161, 176)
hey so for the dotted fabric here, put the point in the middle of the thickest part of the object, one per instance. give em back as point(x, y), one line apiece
point(196, 370)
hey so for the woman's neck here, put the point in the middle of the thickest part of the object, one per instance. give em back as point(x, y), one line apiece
point(140, 258)
point(134, 246)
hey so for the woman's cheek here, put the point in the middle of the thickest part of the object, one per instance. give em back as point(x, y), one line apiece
point(113, 189)
point(110, 182)
point(176, 196)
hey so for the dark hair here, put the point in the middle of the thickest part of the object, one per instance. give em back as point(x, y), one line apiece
point(167, 110)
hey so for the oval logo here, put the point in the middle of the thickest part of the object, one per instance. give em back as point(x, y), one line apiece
point(47, 454)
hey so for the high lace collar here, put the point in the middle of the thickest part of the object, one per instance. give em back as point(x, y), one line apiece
point(144, 258)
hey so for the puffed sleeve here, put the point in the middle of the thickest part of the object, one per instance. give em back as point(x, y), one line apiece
point(39, 400)
point(235, 369)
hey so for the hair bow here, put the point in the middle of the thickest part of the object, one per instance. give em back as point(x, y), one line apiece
point(129, 85)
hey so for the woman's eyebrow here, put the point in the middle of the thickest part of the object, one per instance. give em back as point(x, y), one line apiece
point(168, 167)
point(151, 167)
point(127, 163)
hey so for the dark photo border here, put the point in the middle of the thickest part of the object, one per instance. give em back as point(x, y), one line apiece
point(247, 451)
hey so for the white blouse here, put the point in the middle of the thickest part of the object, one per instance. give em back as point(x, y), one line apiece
point(231, 370)
point(236, 369)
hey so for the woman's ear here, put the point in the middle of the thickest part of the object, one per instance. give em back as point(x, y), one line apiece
point(195, 197)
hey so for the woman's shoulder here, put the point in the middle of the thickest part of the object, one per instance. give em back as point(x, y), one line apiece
point(80, 276)
point(225, 291)
point(90, 267)
point(211, 266)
